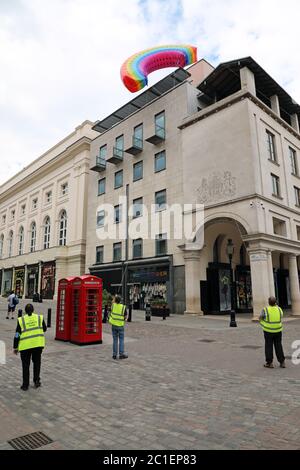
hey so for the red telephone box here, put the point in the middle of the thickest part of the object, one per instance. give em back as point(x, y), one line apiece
point(86, 310)
point(63, 311)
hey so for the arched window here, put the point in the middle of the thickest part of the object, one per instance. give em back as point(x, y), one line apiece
point(10, 243)
point(21, 240)
point(32, 237)
point(1, 245)
point(63, 229)
point(47, 229)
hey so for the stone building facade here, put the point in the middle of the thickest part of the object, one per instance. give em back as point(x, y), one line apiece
point(43, 218)
point(230, 141)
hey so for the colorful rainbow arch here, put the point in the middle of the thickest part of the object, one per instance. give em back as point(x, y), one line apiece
point(135, 70)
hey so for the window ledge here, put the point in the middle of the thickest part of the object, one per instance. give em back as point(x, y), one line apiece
point(273, 161)
point(277, 197)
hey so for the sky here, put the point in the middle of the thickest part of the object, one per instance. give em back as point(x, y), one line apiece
point(60, 60)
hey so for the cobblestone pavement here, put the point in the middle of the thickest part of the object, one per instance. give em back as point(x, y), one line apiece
point(189, 383)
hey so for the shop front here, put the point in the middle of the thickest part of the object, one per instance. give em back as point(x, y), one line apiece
point(7, 281)
point(148, 284)
point(145, 280)
point(32, 280)
point(216, 291)
point(19, 279)
point(48, 280)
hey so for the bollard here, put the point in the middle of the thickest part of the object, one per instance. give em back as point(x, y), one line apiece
point(49, 318)
point(148, 313)
point(129, 314)
point(233, 323)
point(20, 313)
point(164, 312)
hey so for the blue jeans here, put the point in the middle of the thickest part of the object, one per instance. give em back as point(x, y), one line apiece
point(118, 339)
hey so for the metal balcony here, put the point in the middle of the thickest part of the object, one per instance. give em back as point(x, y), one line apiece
point(117, 156)
point(158, 137)
point(137, 146)
point(100, 165)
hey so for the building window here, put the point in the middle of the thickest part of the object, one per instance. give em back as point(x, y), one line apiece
point(48, 197)
point(137, 207)
point(137, 248)
point(271, 146)
point(161, 244)
point(13, 214)
point(120, 143)
point(63, 229)
point(293, 158)
point(298, 232)
point(297, 196)
point(160, 200)
point(33, 237)
point(117, 252)
point(138, 136)
point(279, 227)
point(103, 152)
point(34, 203)
point(21, 240)
point(99, 254)
point(160, 125)
point(3, 219)
point(23, 209)
point(117, 214)
point(64, 189)
point(1, 245)
point(100, 218)
point(275, 185)
point(10, 243)
point(138, 171)
point(118, 179)
point(101, 186)
point(160, 161)
point(47, 230)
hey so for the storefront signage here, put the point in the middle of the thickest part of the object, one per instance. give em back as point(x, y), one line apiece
point(149, 276)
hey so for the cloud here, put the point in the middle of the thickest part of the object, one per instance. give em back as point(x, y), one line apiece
point(60, 60)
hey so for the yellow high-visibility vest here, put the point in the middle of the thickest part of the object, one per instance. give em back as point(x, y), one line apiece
point(32, 333)
point(117, 316)
point(273, 319)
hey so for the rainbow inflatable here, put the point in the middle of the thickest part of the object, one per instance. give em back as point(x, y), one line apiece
point(135, 70)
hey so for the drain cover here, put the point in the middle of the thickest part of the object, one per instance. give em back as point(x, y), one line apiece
point(207, 340)
point(30, 441)
point(251, 346)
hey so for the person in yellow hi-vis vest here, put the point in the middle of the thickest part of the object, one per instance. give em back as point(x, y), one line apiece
point(117, 320)
point(29, 340)
point(271, 322)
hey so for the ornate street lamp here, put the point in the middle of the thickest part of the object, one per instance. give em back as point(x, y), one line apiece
point(230, 251)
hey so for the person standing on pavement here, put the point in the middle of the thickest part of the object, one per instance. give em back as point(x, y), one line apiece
point(271, 322)
point(12, 300)
point(117, 320)
point(29, 340)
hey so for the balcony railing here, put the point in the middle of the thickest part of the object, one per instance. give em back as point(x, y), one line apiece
point(136, 147)
point(158, 136)
point(117, 156)
point(100, 164)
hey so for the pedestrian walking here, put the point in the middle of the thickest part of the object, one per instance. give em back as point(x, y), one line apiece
point(271, 322)
point(29, 340)
point(117, 320)
point(13, 301)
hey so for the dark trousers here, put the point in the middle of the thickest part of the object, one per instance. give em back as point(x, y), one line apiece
point(26, 356)
point(273, 339)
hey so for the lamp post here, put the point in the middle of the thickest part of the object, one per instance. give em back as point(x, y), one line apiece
point(230, 251)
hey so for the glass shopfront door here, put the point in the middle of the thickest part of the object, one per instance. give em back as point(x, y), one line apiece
point(243, 290)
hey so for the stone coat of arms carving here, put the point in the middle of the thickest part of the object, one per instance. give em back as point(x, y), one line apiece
point(216, 187)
